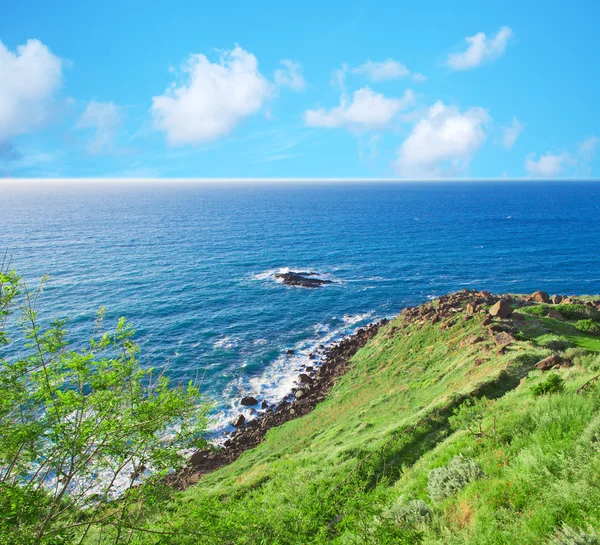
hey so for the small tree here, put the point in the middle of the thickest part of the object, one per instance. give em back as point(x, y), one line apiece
point(79, 428)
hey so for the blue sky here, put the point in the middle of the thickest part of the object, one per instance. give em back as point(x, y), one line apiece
point(304, 89)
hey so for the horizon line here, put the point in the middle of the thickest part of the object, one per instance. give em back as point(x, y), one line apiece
point(17, 180)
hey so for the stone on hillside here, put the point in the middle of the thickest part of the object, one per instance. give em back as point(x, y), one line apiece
point(556, 299)
point(567, 301)
point(556, 315)
point(470, 308)
point(501, 309)
point(540, 297)
point(503, 338)
point(239, 421)
point(299, 394)
point(549, 362)
point(249, 401)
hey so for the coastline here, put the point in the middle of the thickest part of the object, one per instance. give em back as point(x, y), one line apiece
point(313, 387)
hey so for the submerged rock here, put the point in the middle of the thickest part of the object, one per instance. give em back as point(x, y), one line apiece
point(302, 279)
point(249, 401)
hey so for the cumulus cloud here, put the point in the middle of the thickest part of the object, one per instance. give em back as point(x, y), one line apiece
point(511, 133)
point(551, 165)
point(29, 78)
point(367, 110)
point(548, 165)
point(382, 71)
point(290, 75)
point(443, 142)
point(481, 49)
point(213, 98)
point(105, 119)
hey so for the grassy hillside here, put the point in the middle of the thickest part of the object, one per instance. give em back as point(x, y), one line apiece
point(435, 435)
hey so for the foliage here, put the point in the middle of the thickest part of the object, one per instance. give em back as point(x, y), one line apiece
point(553, 342)
point(552, 384)
point(413, 512)
point(578, 311)
point(446, 481)
point(471, 415)
point(571, 536)
point(588, 326)
point(76, 423)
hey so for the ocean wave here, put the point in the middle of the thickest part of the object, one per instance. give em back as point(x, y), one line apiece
point(274, 384)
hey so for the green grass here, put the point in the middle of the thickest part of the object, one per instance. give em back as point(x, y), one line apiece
point(338, 474)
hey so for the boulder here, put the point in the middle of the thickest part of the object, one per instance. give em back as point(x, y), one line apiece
point(556, 299)
point(264, 404)
point(239, 421)
point(501, 309)
point(290, 352)
point(249, 401)
point(540, 297)
point(567, 301)
point(470, 308)
point(503, 338)
point(303, 378)
point(549, 362)
point(299, 394)
point(556, 315)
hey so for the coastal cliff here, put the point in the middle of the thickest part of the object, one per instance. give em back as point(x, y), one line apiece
point(470, 419)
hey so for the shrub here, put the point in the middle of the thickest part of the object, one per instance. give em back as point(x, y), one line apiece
point(446, 481)
point(588, 326)
point(584, 358)
point(578, 312)
point(553, 384)
point(471, 415)
point(553, 342)
point(570, 536)
point(412, 513)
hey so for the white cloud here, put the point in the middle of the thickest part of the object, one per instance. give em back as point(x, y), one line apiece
point(213, 100)
point(382, 71)
point(419, 78)
point(481, 49)
point(290, 76)
point(551, 165)
point(511, 133)
point(105, 118)
point(366, 111)
point(29, 78)
point(587, 149)
point(443, 142)
point(548, 165)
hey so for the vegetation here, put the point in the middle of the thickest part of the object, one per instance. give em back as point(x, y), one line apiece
point(75, 425)
point(433, 436)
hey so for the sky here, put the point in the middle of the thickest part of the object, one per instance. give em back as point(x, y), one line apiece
point(352, 89)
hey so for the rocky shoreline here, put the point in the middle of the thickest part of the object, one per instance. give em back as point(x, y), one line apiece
point(313, 387)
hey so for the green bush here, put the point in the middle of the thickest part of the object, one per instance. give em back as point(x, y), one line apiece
point(584, 358)
point(412, 513)
point(553, 342)
point(446, 481)
point(570, 536)
point(588, 326)
point(578, 312)
point(554, 383)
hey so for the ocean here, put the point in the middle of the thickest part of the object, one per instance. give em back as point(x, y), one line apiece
point(192, 265)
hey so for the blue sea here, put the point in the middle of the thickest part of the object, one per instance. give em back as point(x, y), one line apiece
point(192, 265)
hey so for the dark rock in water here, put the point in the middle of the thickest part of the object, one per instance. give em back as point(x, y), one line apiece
point(249, 401)
point(264, 404)
point(303, 378)
point(302, 279)
point(239, 421)
point(290, 352)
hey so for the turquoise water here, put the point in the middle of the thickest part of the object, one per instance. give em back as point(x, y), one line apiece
point(192, 266)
